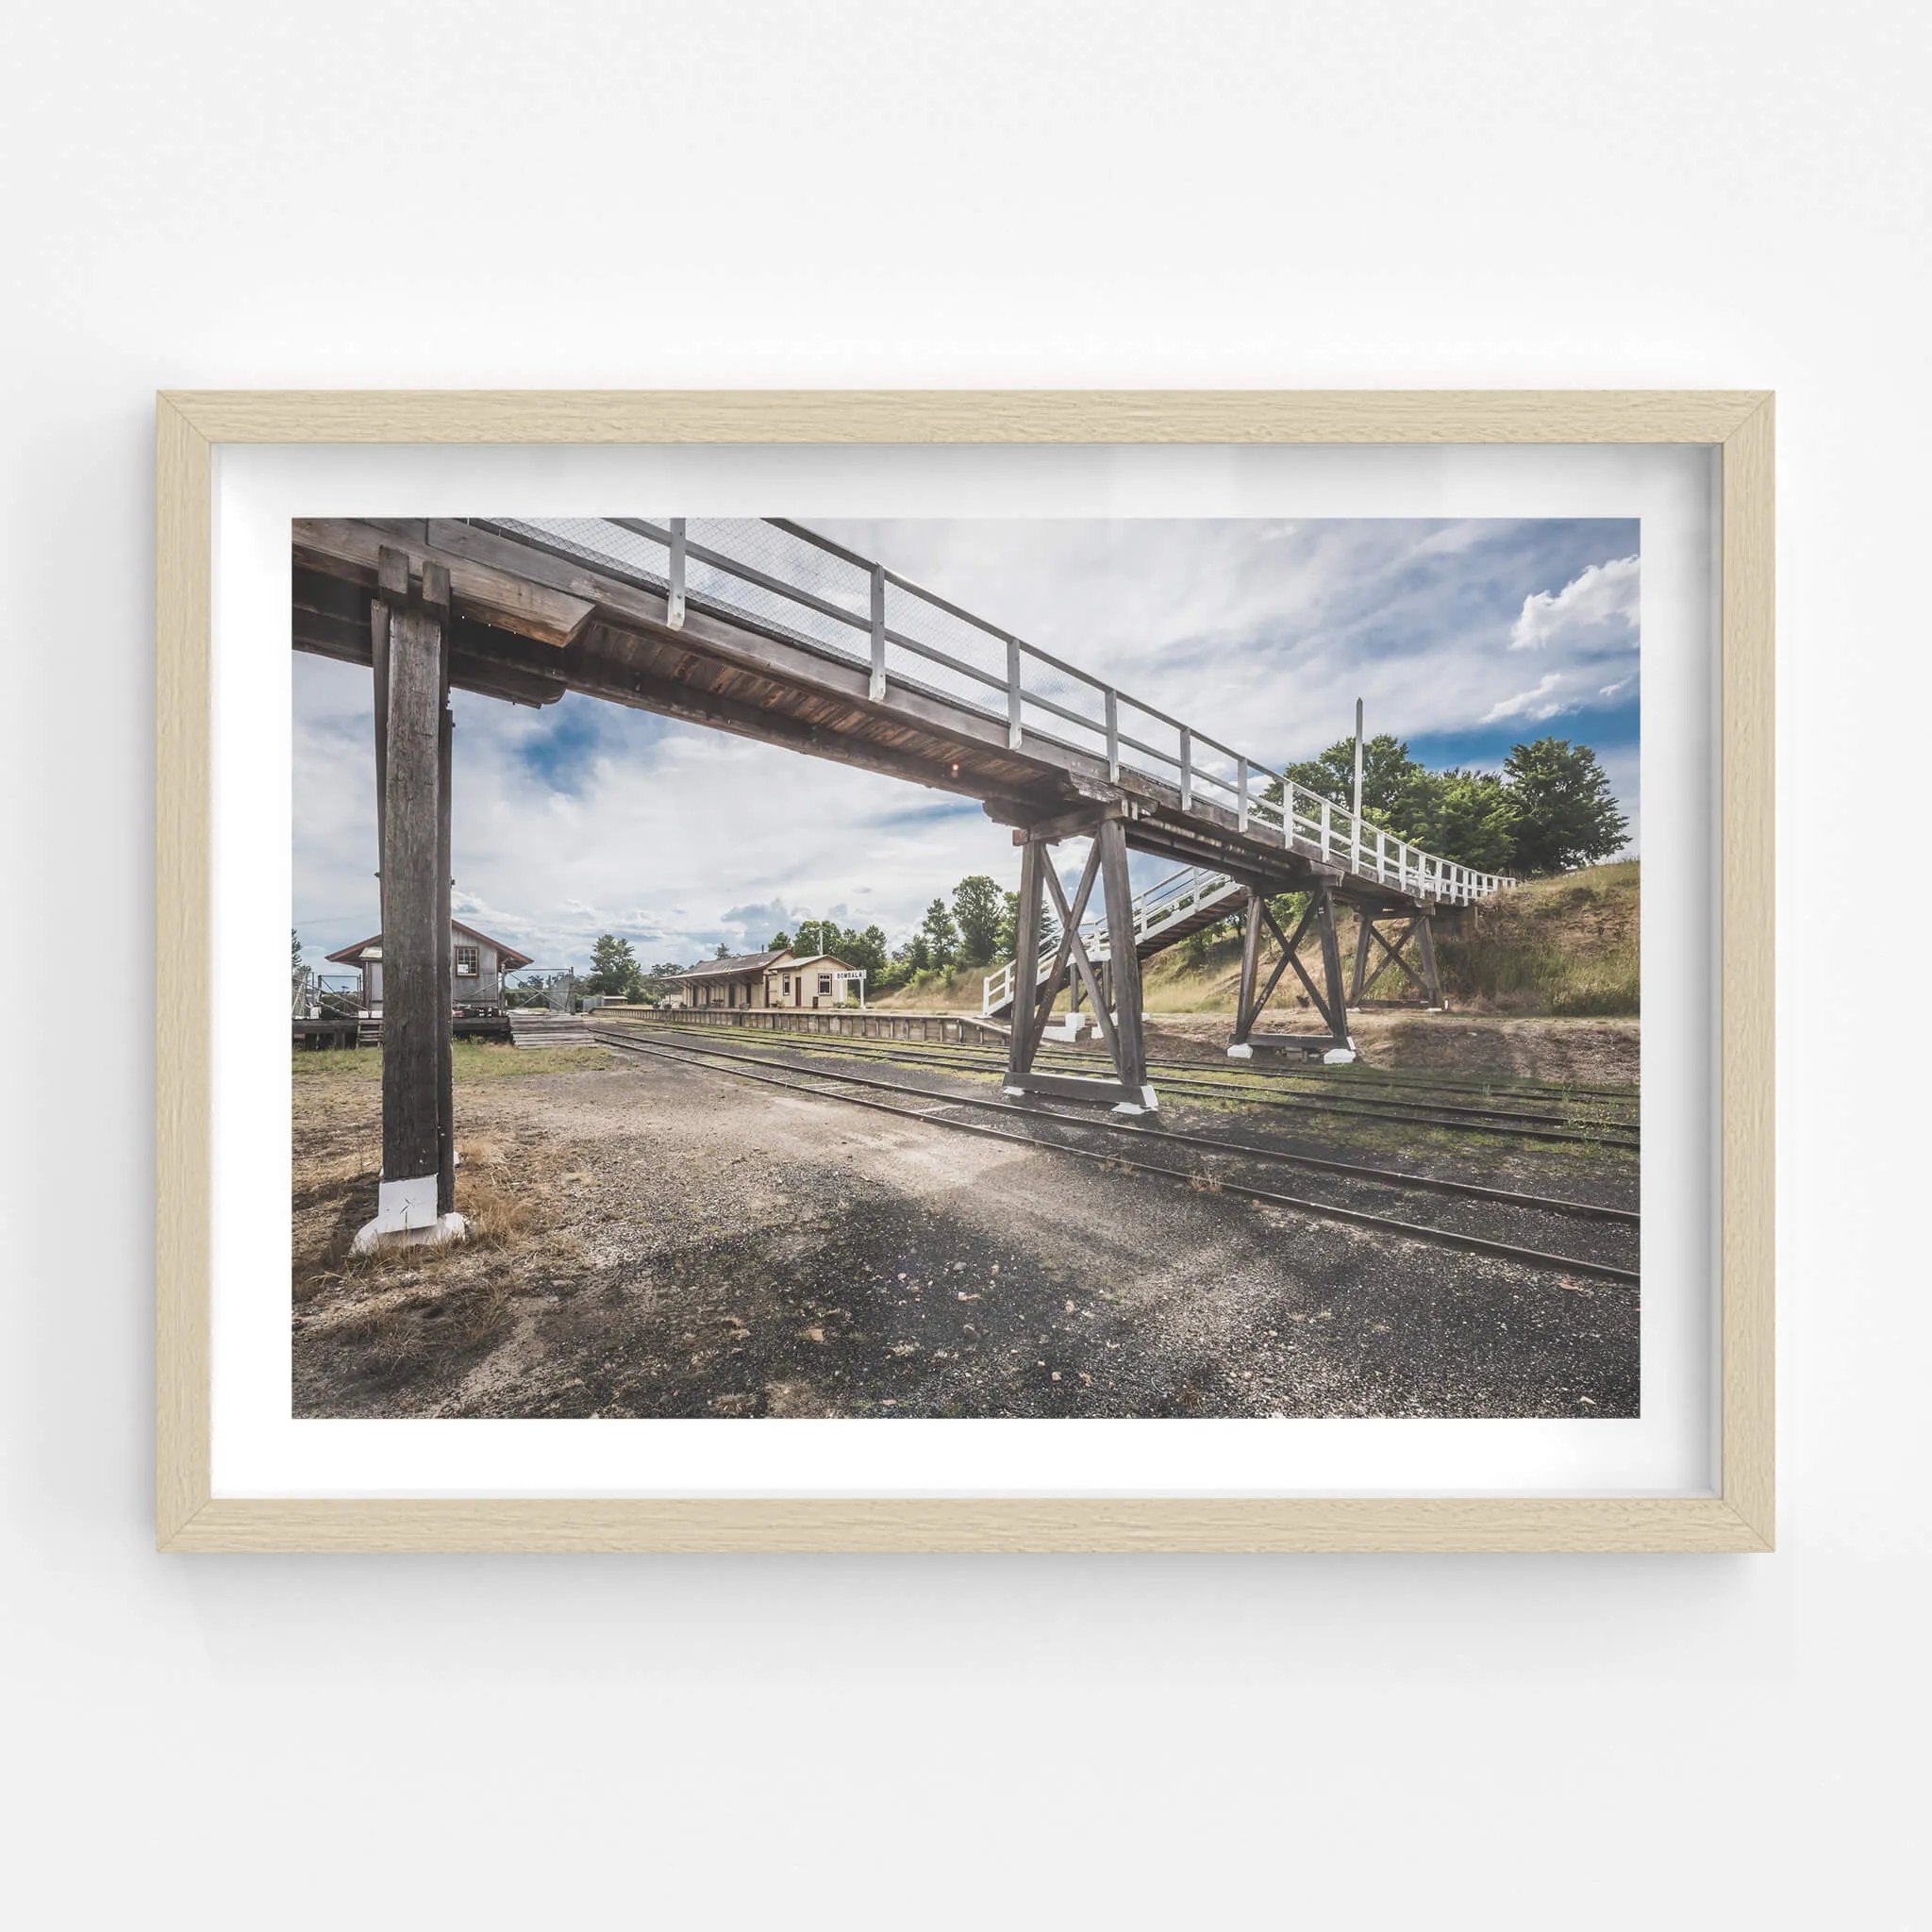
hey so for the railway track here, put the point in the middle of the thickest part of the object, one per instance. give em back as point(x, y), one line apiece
point(1103, 1141)
point(1268, 1090)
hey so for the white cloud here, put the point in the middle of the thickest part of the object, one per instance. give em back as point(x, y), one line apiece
point(1533, 706)
point(1596, 606)
point(590, 818)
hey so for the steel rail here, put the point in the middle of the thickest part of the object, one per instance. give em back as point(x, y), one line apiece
point(1503, 1088)
point(682, 1054)
point(1383, 1176)
point(1404, 1112)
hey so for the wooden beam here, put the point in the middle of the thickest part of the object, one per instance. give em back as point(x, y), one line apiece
point(415, 1009)
point(1251, 962)
point(1025, 966)
point(1081, 1087)
point(1123, 963)
point(509, 599)
point(436, 598)
point(1433, 984)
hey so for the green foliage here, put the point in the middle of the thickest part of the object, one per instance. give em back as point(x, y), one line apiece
point(614, 970)
point(1470, 817)
point(1007, 941)
point(665, 969)
point(1566, 813)
point(941, 935)
point(978, 905)
point(1549, 809)
point(1390, 777)
point(816, 936)
point(779, 942)
point(721, 951)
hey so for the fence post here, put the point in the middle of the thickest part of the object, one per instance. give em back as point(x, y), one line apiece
point(876, 690)
point(673, 603)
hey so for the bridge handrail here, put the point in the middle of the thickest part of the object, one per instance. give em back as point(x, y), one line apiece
point(1303, 820)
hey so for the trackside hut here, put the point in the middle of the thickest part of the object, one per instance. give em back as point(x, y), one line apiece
point(765, 980)
point(476, 966)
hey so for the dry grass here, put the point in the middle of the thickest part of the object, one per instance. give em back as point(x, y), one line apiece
point(1567, 947)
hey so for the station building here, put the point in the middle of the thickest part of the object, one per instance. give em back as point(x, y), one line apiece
point(772, 981)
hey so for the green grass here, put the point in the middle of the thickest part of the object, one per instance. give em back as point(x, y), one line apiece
point(469, 1059)
point(1567, 947)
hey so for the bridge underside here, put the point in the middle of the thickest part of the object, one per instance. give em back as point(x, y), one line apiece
point(531, 620)
point(432, 605)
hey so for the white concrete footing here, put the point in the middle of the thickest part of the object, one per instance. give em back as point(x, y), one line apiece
point(445, 1228)
point(1340, 1055)
point(406, 1216)
point(1241, 1052)
point(1150, 1103)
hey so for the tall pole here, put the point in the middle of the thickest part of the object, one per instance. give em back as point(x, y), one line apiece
point(1356, 808)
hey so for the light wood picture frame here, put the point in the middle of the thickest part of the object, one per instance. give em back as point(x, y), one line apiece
point(191, 427)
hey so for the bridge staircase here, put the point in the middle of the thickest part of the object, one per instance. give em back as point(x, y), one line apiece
point(1175, 908)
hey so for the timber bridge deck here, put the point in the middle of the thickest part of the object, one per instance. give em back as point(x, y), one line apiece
point(764, 628)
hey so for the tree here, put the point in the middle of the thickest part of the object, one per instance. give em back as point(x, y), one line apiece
point(781, 943)
point(1468, 816)
point(1390, 778)
point(978, 906)
point(816, 936)
point(1566, 814)
point(614, 970)
point(721, 951)
point(1009, 940)
point(294, 950)
point(941, 935)
point(666, 969)
point(865, 950)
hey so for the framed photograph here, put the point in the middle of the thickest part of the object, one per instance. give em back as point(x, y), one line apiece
point(965, 970)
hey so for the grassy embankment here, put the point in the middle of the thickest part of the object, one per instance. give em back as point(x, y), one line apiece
point(1565, 947)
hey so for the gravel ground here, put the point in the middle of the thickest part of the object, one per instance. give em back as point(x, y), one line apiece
point(657, 1240)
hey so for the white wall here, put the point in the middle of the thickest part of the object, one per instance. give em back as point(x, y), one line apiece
point(1000, 194)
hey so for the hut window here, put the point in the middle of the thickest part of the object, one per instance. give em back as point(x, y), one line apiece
point(466, 962)
point(824, 982)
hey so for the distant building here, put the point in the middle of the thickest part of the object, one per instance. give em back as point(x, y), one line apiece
point(476, 966)
point(768, 980)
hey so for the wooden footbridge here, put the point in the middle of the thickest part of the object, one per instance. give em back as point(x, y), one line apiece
point(767, 629)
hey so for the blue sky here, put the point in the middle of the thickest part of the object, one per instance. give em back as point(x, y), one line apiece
point(1464, 638)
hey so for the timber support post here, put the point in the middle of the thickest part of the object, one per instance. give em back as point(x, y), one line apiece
point(415, 1199)
point(1112, 988)
point(1328, 999)
point(1417, 924)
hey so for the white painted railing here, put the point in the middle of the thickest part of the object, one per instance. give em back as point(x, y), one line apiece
point(1196, 890)
point(784, 576)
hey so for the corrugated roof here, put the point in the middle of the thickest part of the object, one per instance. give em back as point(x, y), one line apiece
point(744, 962)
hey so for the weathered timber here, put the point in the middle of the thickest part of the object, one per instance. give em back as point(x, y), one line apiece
point(505, 598)
point(1123, 963)
point(415, 898)
point(435, 599)
point(1025, 965)
point(1083, 1087)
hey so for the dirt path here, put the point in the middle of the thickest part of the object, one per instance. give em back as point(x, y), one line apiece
point(657, 1240)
